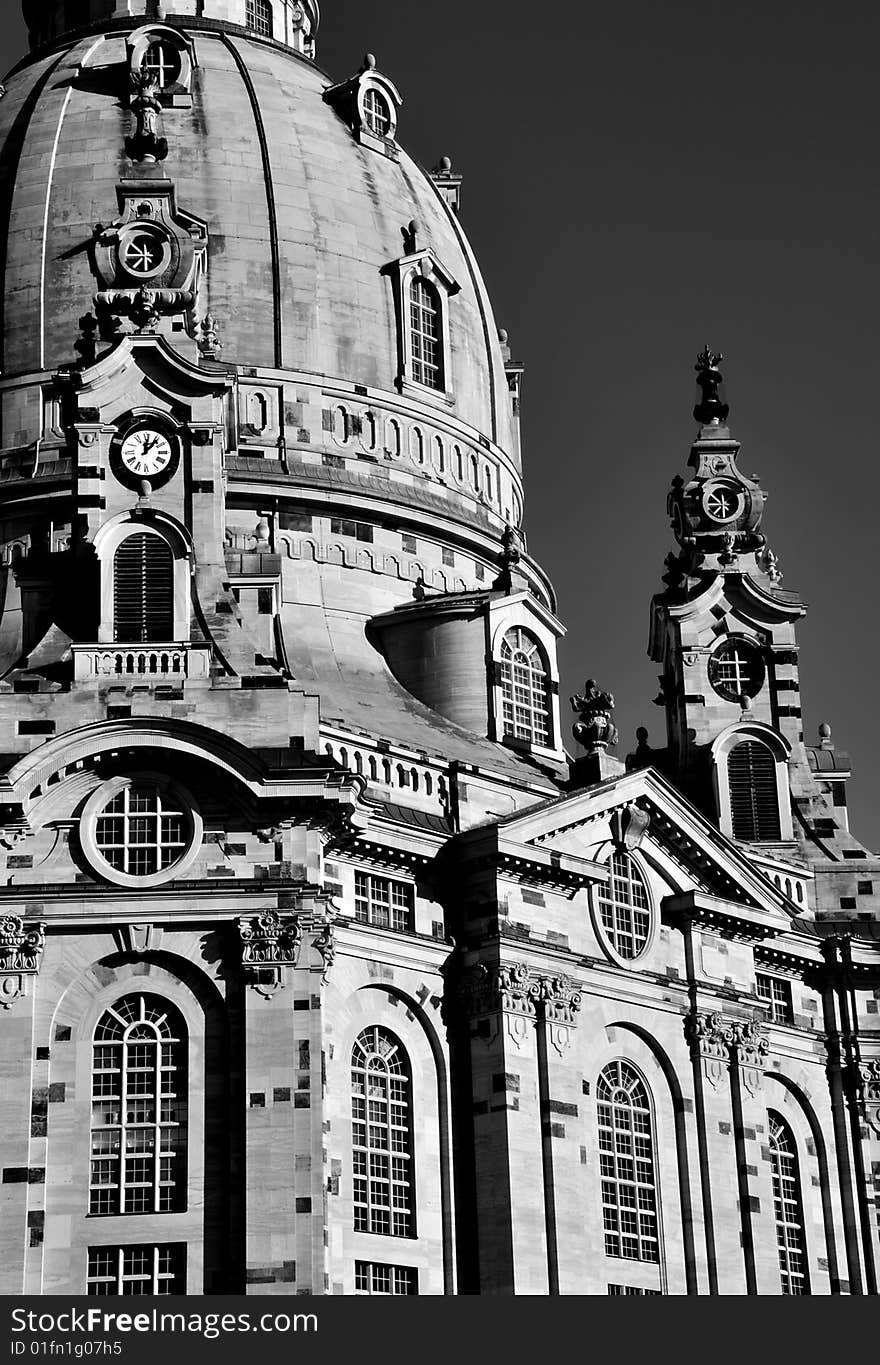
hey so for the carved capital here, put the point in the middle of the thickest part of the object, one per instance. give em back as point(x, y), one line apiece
point(709, 1037)
point(559, 1002)
point(750, 1046)
point(269, 943)
point(21, 952)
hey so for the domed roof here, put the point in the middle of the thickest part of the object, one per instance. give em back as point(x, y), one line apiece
point(302, 219)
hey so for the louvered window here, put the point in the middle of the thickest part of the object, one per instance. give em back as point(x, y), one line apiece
point(143, 591)
point(754, 802)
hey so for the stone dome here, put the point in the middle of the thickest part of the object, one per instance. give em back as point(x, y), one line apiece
point(302, 219)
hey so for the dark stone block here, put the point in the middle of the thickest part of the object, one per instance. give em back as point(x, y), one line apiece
point(303, 1205)
point(42, 1053)
point(57, 1092)
point(281, 1095)
point(302, 1101)
point(62, 1035)
point(258, 1101)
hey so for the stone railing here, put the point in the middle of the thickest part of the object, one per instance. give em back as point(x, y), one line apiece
point(141, 663)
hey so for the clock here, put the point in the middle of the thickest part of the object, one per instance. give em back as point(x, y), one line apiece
point(145, 453)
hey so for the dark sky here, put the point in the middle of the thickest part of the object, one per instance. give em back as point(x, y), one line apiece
point(642, 179)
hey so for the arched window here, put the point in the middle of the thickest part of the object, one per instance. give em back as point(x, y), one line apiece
point(624, 908)
point(425, 334)
point(162, 60)
point(143, 590)
point(754, 800)
point(381, 1114)
point(259, 17)
point(788, 1208)
point(139, 1108)
point(525, 690)
point(626, 1164)
point(377, 113)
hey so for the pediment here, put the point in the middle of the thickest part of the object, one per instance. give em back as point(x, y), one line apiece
point(688, 852)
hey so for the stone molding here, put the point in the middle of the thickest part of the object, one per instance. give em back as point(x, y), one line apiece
point(521, 997)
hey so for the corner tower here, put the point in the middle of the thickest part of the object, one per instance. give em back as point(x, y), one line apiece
point(724, 634)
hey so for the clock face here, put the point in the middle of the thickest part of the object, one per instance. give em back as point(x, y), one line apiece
point(146, 453)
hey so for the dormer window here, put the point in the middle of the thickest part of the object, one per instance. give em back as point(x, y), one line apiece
point(163, 62)
point(426, 334)
point(377, 113)
point(369, 104)
point(525, 690)
point(423, 289)
point(167, 55)
point(258, 17)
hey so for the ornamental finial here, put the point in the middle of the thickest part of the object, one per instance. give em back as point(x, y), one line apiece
point(595, 728)
point(710, 411)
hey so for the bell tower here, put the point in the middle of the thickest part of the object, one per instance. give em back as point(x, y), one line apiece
point(723, 633)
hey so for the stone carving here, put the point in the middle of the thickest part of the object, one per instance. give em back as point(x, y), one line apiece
point(769, 562)
point(629, 825)
point(269, 943)
point(146, 143)
point(559, 1003)
point(710, 411)
point(709, 1037)
point(595, 729)
point(508, 560)
point(21, 951)
point(751, 1045)
point(210, 344)
point(325, 945)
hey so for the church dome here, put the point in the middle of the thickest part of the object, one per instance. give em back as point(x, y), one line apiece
point(304, 220)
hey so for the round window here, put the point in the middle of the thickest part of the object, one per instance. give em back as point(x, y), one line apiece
point(144, 253)
point(736, 670)
point(140, 830)
point(722, 502)
point(623, 915)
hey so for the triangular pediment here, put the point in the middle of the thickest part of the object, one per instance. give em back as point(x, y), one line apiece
point(687, 850)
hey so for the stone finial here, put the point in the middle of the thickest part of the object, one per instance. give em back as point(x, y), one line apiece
point(825, 740)
point(369, 62)
point(146, 142)
point(595, 729)
point(411, 237)
point(209, 342)
point(710, 411)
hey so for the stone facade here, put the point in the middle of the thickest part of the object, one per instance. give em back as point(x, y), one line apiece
point(324, 967)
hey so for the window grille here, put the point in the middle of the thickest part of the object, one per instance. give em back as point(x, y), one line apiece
point(626, 1164)
point(137, 1270)
point(788, 1208)
point(259, 17)
point(425, 334)
point(384, 903)
point(370, 1277)
point(142, 831)
point(525, 689)
point(624, 908)
point(754, 800)
point(163, 62)
point(377, 113)
point(777, 993)
point(139, 1110)
point(736, 670)
point(143, 591)
point(631, 1290)
point(381, 1110)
